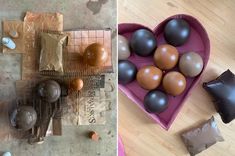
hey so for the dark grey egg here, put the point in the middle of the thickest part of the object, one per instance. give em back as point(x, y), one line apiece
point(126, 72)
point(23, 118)
point(143, 42)
point(155, 101)
point(177, 32)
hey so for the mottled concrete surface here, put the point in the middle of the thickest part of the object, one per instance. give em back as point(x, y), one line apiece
point(86, 14)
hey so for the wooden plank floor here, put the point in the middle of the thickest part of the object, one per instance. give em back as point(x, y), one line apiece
point(141, 137)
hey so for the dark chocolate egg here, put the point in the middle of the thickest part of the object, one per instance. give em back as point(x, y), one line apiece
point(177, 32)
point(155, 101)
point(166, 57)
point(95, 55)
point(191, 64)
point(126, 72)
point(49, 90)
point(143, 42)
point(23, 118)
point(174, 83)
point(123, 48)
point(149, 77)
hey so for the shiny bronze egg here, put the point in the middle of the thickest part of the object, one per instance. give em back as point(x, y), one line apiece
point(166, 57)
point(76, 84)
point(174, 83)
point(95, 55)
point(149, 77)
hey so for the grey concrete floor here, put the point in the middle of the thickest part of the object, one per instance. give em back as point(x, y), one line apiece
point(86, 14)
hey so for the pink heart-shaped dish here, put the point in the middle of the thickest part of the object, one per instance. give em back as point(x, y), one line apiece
point(121, 151)
point(197, 42)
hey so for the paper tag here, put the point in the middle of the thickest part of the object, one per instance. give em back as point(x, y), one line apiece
point(92, 107)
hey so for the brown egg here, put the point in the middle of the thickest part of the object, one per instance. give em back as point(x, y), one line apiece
point(174, 83)
point(166, 57)
point(149, 77)
point(76, 84)
point(95, 55)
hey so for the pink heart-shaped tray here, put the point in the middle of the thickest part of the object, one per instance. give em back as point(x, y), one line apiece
point(197, 42)
point(121, 151)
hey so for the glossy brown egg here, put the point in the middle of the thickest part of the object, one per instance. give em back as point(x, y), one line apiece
point(95, 55)
point(76, 84)
point(191, 64)
point(166, 57)
point(174, 83)
point(149, 77)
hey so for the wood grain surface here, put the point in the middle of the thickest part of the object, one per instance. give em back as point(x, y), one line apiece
point(140, 135)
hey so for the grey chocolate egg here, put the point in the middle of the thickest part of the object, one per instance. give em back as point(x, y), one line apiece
point(191, 64)
point(123, 48)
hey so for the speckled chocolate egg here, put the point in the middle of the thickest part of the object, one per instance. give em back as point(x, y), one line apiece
point(149, 77)
point(155, 101)
point(126, 71)
point(174, 83)
point(123, 48)
point(177, 32)
point(143, 42)
point(95, 55)
point(166, 57)
point(23, 118)
point(49, 90)
point(76, 84)
point(191, 64)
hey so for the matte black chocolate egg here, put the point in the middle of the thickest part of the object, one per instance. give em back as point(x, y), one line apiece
point(126, 72)
point(177, 32)
point(23, 118)
point(143, 42)
point(223, 91)
point(155, 101)
point(49, 90)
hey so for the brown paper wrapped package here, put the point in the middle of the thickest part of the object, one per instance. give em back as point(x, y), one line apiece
point(51, 56)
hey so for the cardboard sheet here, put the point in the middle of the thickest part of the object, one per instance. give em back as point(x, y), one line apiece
point(34, 24)
point(17, 26)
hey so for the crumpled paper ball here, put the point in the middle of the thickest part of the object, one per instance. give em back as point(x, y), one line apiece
point(222, 90)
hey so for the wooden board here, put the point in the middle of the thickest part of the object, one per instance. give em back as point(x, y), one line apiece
point(140, 135)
